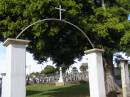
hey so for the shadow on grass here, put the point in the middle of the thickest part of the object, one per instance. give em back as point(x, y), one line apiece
point(32, 92)
point(70, 91)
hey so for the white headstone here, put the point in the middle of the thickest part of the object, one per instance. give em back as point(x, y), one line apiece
point(125, 78)
point(14, 82)
point(96, 73)
point(61, 76)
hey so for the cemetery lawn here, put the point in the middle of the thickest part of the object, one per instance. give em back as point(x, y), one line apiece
point(42, 90)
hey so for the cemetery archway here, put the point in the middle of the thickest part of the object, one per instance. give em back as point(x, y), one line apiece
point(16, 49)
point(77, 28)
point(62, 21)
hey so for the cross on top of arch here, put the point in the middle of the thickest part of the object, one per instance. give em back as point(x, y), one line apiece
point(60, 11)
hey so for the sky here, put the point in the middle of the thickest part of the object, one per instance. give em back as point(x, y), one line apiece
point(31, 64)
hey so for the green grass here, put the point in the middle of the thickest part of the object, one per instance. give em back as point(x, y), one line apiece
point(41, 90)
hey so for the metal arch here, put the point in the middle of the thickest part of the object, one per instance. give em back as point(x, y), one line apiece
point(54, 19)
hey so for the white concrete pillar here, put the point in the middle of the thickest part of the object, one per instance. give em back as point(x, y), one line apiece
point(14, 83)
point(125, 78)
point(61, 76)
point(96, 73)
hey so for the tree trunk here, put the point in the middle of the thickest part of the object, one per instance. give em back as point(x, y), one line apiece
point(109, 77)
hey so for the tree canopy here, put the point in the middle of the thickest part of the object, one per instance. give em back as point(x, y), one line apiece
point(107, 27)
point(83, 68)
point(49, 70)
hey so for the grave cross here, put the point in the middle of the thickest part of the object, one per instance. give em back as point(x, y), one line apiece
point(60, 11)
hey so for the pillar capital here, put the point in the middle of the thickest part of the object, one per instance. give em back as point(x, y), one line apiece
point(124, 60)
point(15, 41)
point(94, 50)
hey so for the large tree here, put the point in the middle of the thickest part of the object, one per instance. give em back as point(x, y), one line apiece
point(105, 22)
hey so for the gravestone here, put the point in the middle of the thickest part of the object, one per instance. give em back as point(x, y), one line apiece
point(14, 82)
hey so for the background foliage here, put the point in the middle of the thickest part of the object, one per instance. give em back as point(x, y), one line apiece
point(49, 70)
point(107, 26)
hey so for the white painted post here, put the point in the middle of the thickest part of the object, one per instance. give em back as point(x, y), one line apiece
point(125, 78)
point(96, 73)
point(14, 83)
point(61, 76)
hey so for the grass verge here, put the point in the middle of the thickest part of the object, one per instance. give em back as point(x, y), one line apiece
point(45, 90)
